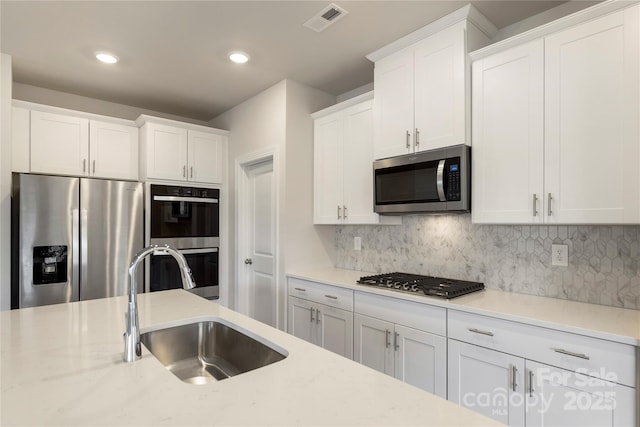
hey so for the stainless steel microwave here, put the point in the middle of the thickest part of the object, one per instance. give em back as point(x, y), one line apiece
point(426, 182)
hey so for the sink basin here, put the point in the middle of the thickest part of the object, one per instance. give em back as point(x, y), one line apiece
point(206, 351)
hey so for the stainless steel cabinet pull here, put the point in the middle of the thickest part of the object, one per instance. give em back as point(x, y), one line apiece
point(571, 353)
point(191, 171)
point(94, 166)
point(535, 205)
point(311, 311)
point(84, 165)
point(387, 334)
point(339, 212)
point(478, 331)
point(530, 383)
point(417, 138)
point(344, 211)
point(514, 371)
point(184, 171)
point(248, 261)
point(408, 140)
point(300, 289)
point(331, 296)
point(396, 341)
point(549, 199)
point(317, 315)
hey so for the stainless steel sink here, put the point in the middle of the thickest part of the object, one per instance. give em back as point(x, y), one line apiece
point(209, 350)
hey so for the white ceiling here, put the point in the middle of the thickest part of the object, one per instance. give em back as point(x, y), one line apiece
point(173, 54)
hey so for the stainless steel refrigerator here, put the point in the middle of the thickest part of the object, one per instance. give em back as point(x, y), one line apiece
point(73, 238)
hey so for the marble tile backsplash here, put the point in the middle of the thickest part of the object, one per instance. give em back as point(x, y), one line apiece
point(603, 260)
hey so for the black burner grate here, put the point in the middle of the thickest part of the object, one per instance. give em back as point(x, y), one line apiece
point(429, 285)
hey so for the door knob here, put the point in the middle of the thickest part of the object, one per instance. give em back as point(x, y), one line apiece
point(248, 261)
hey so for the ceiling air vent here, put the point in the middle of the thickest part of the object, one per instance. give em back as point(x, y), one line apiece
point(327, 16)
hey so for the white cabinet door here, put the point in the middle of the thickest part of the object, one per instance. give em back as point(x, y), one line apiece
point(113, 150)
point(487, 381)
point(592, 108)
point(334, 330)
point(556, 397)
point(357, 176)
point(20, 139)
point(372, 343)
point(206, 153)
point(166, 152)
point(301, 323)
point(59, 144)
point(327, 178)
point(393, 124)
point(420, 359)
point(440, 90)
point(508, 128)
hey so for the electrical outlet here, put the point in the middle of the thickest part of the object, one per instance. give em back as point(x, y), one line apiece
point(357, 243)
point(560, 255)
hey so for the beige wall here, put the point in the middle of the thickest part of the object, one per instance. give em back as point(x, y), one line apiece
point(5, 182)
point(56, 98)
point(279, 118)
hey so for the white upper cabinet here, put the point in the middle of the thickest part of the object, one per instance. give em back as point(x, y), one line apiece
point(113, 150)
point(178, 151)
point(64, 144)
point(508, 146)
point(421, 82)
point(343, 159)
point(592, 114)
point(556, 129)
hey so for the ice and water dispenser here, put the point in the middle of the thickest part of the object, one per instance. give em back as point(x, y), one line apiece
point(49, 264)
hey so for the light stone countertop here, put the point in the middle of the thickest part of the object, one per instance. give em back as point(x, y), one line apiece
point(62, 365)
point(599, 321)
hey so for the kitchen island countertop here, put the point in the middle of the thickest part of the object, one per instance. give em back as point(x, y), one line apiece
point(62, 365)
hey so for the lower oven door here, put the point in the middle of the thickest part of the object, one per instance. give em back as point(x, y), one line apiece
point(164, 272)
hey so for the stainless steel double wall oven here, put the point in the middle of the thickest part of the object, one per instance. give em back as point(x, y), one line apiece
point(187, 218)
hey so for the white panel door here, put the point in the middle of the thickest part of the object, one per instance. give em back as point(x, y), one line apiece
point(59, 144)
point(508, 131)
point(206, 153)
point(556, 397)
point(486, 381)
point(358, 165)
point(327, 173)
point(166, 152)
point(421, 359)
point(334, 330)
point(592, 106)
point(300, 323)
point(393, 86)
point(372, 343)
point(113, 150)
point(260, 262)
point(440, 97)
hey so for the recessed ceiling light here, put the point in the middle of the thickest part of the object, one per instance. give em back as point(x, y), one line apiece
point(107, 58)
point(238, 57)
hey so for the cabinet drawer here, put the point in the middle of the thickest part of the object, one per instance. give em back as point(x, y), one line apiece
point(604, 359)
point(319, 292)
point(408, 313)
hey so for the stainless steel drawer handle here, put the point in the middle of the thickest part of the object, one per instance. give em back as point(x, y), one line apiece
point(331, 296)
point(300, 289)
point(317, 315)
point(531, 384)
point(312, 310)
point(571, 353)
point(339, 212)
point(408, 140)
point(549, 200)
point(535, 205)
point(514, 372)
point(396, 341)
point(387, 335)
point(481, 332)
point(417, 137)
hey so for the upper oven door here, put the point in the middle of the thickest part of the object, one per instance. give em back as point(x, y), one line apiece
point(430, 181)
point(184, 217)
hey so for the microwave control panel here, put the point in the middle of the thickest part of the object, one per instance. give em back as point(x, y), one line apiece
point(453, 184)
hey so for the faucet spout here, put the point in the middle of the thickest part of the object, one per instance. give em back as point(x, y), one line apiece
point(132, 349)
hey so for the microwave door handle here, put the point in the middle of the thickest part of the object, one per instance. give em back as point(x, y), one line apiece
point(440, 181)
point(184, 199)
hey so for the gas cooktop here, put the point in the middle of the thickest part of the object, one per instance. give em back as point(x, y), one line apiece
point(417, 284)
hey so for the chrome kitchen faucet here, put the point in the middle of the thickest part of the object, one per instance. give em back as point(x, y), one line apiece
point(132, 348)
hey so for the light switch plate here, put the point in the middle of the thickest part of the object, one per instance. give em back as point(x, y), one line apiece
point(357, 243)
point(560, 255)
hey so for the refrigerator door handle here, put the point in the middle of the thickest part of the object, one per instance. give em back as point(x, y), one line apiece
point(75, 250)
point(83, 235)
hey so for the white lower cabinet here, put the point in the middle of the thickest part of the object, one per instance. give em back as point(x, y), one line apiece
point(493, 373)
point(384, 343)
